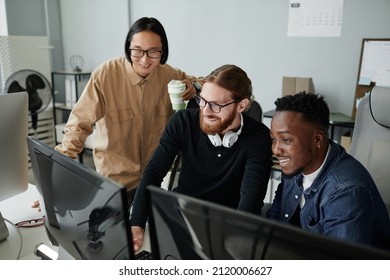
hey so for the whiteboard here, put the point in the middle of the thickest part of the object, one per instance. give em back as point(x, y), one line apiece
point(375, 62)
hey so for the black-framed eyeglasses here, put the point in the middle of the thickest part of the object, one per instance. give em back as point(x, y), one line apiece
point(138, 53)
point(31, 223)
point(215, 107)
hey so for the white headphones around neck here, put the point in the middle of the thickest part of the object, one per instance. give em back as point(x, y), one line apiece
point(229, 138)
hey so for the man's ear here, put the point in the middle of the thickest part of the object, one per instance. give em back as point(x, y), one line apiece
point(319, 137)
point(242, 105)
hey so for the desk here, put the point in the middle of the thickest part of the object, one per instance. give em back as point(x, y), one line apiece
point(340, 120)
point(335, 119)
point(17, 209)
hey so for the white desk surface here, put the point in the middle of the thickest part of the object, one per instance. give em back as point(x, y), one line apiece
point(17, 209)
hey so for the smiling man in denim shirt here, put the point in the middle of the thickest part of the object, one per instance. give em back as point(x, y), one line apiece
point(323, 189)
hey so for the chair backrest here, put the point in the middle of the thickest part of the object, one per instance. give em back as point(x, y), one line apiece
point(255, 111)
point(371, 138)
point(192, 104)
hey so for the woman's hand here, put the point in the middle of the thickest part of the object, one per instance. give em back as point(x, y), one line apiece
point(36, 204)
point(189, 92)
point(138, 237)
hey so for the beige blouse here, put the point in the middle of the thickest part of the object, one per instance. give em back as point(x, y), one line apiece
point(129, 114)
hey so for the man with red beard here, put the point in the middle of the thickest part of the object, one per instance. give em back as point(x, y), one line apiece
point(226, 156)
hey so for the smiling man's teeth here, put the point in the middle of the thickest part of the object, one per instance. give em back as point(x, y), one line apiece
point(282, 161)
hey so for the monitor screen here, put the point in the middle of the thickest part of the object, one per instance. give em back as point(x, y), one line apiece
point(85, 213)
point(13, 148)
point(182, 227)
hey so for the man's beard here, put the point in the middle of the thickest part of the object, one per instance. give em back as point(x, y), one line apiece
point(219, 126)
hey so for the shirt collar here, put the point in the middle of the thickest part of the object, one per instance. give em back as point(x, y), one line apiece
point(135, 78)
point(309, 178)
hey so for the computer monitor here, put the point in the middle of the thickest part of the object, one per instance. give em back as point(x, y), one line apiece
point(13, 133)
point(13, 148)
point(183, 227)
point(86, 213)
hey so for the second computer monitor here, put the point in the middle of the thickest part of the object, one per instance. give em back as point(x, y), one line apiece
point(183, 227)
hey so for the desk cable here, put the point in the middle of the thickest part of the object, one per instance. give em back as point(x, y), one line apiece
point(20, 236)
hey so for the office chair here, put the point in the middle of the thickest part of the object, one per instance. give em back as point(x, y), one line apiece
point(177, 163)
point(371, 138)
point(255, 111)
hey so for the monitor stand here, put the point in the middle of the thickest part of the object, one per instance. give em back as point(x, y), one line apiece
point(4, 233)
point(46, 252)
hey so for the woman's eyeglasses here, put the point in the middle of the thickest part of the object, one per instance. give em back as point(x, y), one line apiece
point(138, 53)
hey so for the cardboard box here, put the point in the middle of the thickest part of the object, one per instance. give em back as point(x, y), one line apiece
point(293, 85)
point(346, 140)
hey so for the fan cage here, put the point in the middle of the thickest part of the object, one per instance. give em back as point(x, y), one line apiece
point(20, 77)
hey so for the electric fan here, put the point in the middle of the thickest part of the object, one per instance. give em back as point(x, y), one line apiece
point(37, 87)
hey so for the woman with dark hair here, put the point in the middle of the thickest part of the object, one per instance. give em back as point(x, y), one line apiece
point(126, 100)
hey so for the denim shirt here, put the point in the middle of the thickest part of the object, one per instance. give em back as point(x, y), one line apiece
point(343, 202)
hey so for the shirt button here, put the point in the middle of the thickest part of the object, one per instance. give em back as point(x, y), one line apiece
point(219, 155)
point(296, 197)
point(286, 215)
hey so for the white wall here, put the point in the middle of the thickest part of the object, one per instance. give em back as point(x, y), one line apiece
point(94, 29)
point(205, 34)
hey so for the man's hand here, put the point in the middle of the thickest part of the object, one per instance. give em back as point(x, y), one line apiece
point(138, 237)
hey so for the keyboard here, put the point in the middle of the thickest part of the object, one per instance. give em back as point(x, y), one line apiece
point(143, 255)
